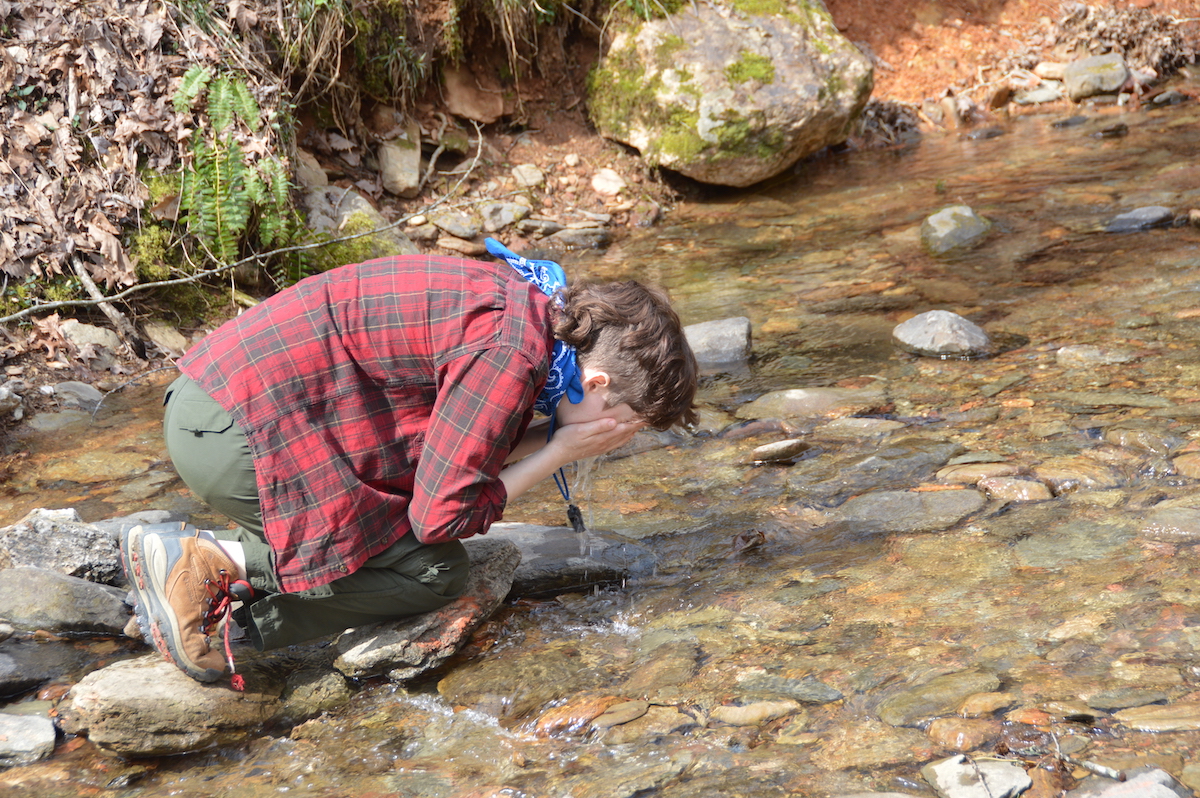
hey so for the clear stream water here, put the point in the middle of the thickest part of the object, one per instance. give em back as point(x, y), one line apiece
point(762, 596)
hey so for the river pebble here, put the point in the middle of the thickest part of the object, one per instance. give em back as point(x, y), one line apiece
point(25, 739)
point(962, 734)
point(1015, 489)
point(940, 696)
point(940, 333)
point(961, 777)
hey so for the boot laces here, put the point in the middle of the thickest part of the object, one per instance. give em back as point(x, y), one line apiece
point(222, 593)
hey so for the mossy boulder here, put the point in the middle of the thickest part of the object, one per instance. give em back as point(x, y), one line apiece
point(730, 93)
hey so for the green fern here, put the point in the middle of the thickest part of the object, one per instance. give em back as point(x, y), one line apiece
point(233, 199)
point(193, 84)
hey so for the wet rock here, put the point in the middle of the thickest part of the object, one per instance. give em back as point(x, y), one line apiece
point(1014, 489)
point(909, 511)
point(953, 229)
point(938, 697)
point(962, 777)
point(554, 559)
point(1072, 542)
point(25, 739)
point(1158, 442)
point(656, 721)
point(499, 215)
point(1146, 782)
point(58, 540)
point(807, 690)
point(962, 734)
point(720, 341)
point(407, 648)
point(982, 705)
point(1188, 464)
point(779, 451)
point(1101, 74)
point(1126, 698)
point(34, 598)
point(888, 465)
point(148, 707)
point(1155, 718)
point(1085, 356)
point(1172, 525)
point(620, 713)
point(755, 714)
point(727, 97)
point(1070, 474)
point(813, 402)
point(400, 162)
point(857, 427)
point(27, 663)
point(970, 473)
point(1140, 219)
point(940, 333)
point(870, 744)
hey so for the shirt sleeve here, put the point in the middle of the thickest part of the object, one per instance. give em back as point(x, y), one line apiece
point(484, 404)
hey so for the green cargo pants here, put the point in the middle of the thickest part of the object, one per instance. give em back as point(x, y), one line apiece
point(211, 455)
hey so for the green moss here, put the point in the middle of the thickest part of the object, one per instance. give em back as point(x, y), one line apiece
point(772, 8)
point(153, 252)
point(356, 250)
point(751, 66)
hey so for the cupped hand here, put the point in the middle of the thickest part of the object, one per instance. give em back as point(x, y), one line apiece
point(592, 438)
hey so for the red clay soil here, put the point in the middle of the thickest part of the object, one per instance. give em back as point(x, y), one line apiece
point(924, 47)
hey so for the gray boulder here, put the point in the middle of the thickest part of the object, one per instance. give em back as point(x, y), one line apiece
point(1099, 74)
point(25, 739)
point(729, 97)
point(555, 558)
point(34, 598)
point(720, 341)
point(58, 540)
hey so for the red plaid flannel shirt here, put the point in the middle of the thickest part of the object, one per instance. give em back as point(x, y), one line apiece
point(378, 399)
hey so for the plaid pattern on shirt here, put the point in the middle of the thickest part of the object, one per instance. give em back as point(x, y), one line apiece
point(380, 398)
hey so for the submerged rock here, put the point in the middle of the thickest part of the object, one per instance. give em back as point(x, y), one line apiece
point(720, 341)
point(1140, 219)
point(953, 229)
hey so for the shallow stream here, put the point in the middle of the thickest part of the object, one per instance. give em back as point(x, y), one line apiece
point(786, 643)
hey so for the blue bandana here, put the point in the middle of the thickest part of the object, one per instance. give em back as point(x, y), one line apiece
point(549, 277)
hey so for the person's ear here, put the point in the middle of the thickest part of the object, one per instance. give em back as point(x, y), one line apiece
point(594, 378)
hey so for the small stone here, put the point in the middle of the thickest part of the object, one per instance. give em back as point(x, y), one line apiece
point(1140, 219)
point(1015, 489)
point(461, 246)
point(528, 175)
point(779, 451)
point(571, 159)
point(607, 183)
point(940, 333)
point(962, 734)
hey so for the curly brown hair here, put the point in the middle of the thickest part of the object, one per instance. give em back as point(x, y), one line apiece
point(631, 332)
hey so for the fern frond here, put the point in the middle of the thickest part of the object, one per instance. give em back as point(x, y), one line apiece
point(220, 104)
point(193, 83)
point(245, 105)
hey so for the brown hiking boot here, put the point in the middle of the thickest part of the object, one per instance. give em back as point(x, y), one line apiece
point(181, 576)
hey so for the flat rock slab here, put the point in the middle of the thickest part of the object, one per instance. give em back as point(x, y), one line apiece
point(556, 559)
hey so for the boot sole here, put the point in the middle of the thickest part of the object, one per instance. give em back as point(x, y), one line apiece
point(140, 548)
